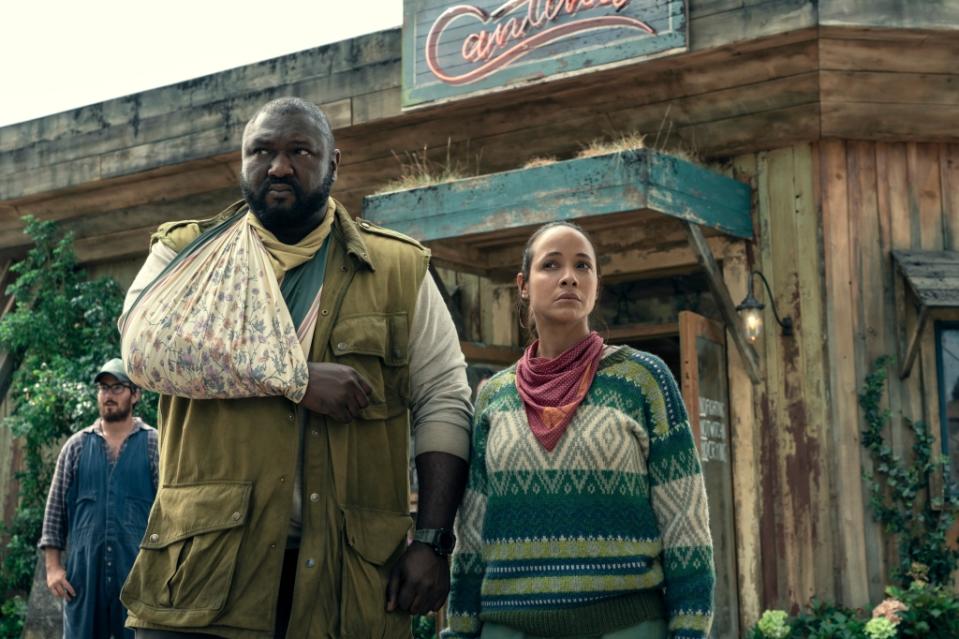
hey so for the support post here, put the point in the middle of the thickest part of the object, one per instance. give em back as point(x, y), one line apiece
point(726, 307)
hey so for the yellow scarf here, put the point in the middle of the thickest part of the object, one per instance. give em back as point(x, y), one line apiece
point(286, 257)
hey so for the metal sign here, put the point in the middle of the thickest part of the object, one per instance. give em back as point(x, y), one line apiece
point(455, 49)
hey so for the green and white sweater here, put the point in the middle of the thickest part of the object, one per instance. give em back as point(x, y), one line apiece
point(609, 529)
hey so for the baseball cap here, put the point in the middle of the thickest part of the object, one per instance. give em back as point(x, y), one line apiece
point(113, 367)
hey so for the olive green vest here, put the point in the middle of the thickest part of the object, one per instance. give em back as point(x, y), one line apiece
point(213, 551)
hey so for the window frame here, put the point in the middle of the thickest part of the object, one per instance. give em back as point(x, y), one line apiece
point(941, 326)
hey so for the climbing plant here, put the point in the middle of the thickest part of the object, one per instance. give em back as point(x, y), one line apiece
point(900, 490)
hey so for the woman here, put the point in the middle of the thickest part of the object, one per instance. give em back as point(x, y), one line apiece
point(585, 513)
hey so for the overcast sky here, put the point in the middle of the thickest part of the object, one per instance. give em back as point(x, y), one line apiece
point(57, 55)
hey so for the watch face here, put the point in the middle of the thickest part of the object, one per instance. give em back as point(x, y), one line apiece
point(446, 540)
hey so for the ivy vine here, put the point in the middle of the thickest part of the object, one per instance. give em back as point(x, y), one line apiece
point(900, 492)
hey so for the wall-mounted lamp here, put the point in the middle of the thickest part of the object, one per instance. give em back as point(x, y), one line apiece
point(751, 311)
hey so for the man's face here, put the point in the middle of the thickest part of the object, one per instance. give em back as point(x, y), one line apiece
point(115, 399)
point(288, 170)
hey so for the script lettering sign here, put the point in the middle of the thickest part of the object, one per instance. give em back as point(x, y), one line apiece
point(456, 48)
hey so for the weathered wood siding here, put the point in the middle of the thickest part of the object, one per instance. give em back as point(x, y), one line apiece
point(11, 461)
point(760, 74)
point(828, 215)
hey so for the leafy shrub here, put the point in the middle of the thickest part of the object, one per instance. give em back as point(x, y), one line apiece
point(932, 612)
point(828, 621)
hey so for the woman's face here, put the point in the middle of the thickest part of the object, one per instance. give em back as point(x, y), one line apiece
point(562, 284)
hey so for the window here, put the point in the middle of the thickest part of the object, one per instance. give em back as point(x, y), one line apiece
point(947, 356)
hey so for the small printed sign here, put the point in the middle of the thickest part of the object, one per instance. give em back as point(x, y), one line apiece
point(457, 49)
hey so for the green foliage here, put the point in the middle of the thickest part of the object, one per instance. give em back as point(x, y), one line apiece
point(928, 612)
point(424, 626)
point(880, 628)
point(772, 625)
point(899, 491)
point(932, 612)
point(61, 331)
point(12, 613)
point(828, 621)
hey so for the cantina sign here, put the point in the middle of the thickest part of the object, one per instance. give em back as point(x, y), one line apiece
point(504, 37)
point(455, 49)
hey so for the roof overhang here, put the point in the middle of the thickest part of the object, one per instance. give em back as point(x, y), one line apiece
point(932, 281)
point(646, 211)
point(635, 201)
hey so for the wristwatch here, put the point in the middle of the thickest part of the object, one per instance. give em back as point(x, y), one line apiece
point(441, 540)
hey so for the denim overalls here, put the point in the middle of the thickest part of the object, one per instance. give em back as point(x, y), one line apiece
point(107, 509)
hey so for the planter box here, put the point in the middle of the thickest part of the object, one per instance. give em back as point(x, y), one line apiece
point(618, 183)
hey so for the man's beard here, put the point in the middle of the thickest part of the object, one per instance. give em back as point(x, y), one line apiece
point(279, 217)
point(117, 414)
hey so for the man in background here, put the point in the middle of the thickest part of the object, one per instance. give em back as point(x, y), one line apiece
point(103, 486)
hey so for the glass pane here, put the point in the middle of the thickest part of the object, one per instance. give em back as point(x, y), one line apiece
point(948, 346)
point(717, 468)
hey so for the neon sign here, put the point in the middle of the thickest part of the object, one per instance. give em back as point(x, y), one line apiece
point(463, 47)
point(505, 37)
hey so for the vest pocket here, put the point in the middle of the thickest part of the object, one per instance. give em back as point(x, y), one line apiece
point(377, 347)
point(182, 575)
point(373, 540)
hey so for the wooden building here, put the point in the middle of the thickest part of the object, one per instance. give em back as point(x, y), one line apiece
point(837, 119)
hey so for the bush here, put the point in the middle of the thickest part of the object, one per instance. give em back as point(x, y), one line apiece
point(828, 621)
point(921, 611)
point(932, 612)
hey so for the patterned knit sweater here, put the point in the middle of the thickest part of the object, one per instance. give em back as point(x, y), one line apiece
point(608, 530)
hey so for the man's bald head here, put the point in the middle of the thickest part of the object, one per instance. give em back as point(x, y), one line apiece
point(291, 105)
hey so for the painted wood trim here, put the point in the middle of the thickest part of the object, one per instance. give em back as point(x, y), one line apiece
point(633, 180)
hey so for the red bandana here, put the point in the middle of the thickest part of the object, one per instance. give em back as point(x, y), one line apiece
point(552, 389)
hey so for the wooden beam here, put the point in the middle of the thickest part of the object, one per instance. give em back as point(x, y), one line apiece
point(913, 349)
point(726, 307)
point(640, 331)
point(478, 352)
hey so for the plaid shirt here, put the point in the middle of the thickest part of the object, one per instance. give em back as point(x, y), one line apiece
point(54, 533)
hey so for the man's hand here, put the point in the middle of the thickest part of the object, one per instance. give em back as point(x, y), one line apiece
point(336, 391)
point(57, 583)
point(419, 582)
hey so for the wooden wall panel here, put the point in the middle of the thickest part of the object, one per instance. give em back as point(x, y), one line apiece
point(949, 177)
point(838, 240)
point(11, 460)
point(797, 506)
point(869, 321)
point(745, 445)
point(875, 197)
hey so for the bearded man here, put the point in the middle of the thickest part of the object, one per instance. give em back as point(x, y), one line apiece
point(285, 512)
point(103, 486)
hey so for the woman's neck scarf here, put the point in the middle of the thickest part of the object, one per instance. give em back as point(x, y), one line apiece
point(552, 389)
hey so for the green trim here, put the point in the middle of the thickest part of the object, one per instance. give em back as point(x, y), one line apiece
point(635, 180)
